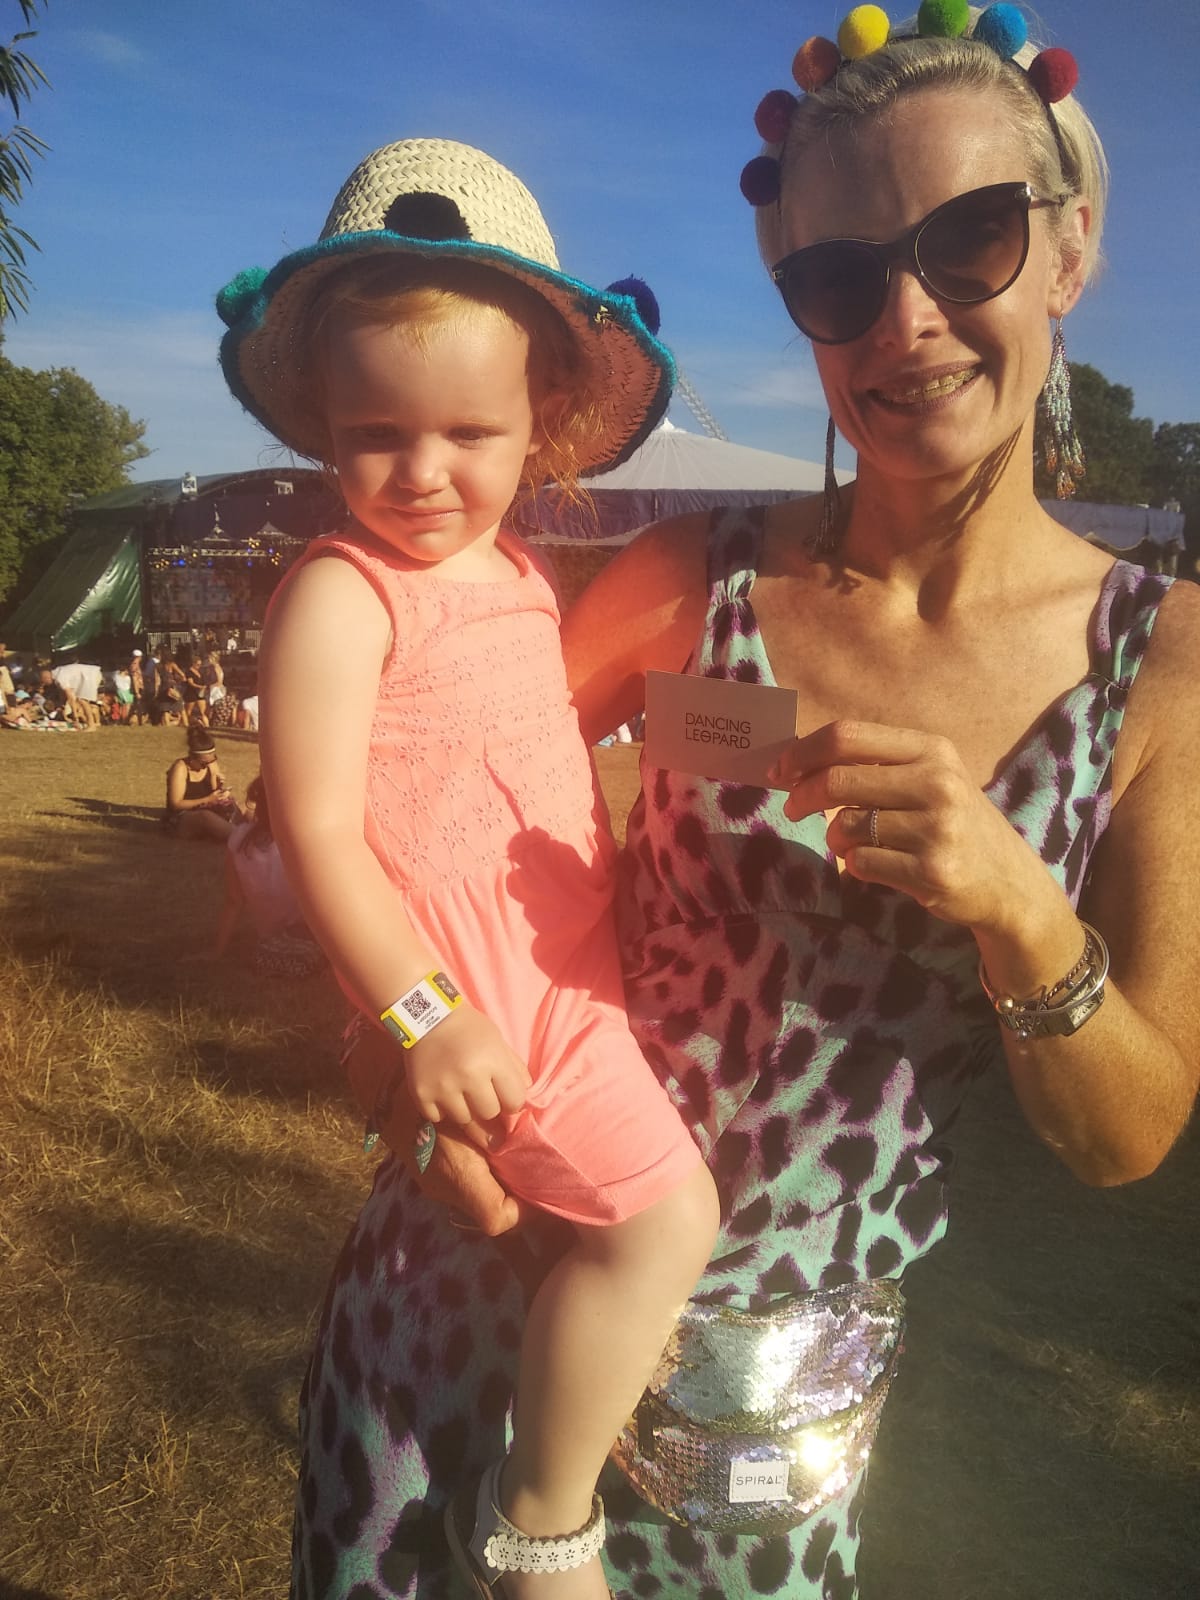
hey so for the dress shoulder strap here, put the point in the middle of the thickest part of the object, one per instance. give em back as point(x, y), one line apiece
point(735, 541)
point(1125, 620)
point(391, 582)
point(731, 646)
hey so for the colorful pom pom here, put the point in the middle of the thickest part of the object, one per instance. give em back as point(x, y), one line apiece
point(943, 19)
point(760, 180)
point(815, 63)
point(644, 299)
point(773, 115)
point(238, 293)
point(1003, 27)
point(1053, 75)
point(864, 31)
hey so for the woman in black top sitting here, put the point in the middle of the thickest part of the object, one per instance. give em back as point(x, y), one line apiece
point(199, 806)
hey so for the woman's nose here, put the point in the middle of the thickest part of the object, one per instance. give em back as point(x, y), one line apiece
point(910, 310)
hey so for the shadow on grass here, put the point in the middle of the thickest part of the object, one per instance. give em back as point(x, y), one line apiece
point(201, 1315)
point(135, 819)
point(14, 1591)
point(130, 917)
point(1041, 1436)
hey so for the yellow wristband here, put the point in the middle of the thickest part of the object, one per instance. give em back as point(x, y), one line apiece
point(419, 1009)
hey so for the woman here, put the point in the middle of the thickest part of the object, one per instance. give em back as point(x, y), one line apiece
point(997, 736)
point(166, 709)
point(220, 702)
point(188, 678)
point(199, 805)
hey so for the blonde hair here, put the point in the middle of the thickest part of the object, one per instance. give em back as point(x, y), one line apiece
point(404, 291)
point(1062, 147)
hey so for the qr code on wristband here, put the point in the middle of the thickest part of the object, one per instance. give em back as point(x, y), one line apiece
point(416, 1005)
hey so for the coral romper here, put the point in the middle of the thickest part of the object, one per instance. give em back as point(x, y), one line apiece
point(483, 808)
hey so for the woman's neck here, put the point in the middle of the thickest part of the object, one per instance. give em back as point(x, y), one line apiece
point(947, 535)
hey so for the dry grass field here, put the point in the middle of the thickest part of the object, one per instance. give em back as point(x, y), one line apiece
point(178, 1165)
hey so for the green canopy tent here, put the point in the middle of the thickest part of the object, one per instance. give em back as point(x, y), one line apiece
point(93, 586)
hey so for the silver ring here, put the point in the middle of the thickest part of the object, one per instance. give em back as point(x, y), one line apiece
point(873, 826)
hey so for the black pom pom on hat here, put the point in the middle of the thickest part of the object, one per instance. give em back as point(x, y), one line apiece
point(425, 216)
point(644, 299)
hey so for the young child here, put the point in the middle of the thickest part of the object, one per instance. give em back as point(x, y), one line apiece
point(446, 841)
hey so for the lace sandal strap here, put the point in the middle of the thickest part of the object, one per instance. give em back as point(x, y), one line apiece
point(507, 1549)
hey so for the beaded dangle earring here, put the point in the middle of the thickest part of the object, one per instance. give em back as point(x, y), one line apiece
point(825, 540)
point(1061, 449)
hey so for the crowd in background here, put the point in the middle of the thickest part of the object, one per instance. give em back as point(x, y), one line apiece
point(184, 687)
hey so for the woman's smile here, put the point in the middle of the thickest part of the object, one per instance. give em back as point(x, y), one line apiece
point(926, 391)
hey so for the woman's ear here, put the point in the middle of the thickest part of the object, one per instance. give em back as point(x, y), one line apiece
point(1070, 272)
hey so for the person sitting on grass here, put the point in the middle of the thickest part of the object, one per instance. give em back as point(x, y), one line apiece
point(256, 883)
point(199, 805)
point(20, 710)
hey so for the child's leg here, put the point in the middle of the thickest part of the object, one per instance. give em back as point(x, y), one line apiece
point(595, 1332)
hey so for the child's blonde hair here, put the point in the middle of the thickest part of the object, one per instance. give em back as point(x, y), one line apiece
point(405, 291)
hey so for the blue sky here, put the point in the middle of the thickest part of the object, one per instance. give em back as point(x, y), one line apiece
point(191, 138)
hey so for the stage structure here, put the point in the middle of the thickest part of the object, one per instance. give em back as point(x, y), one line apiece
point(171, 560)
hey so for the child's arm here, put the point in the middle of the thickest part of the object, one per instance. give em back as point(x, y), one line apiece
point(316, 775)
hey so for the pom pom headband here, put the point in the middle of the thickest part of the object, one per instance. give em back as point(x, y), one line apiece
point(1052, 74)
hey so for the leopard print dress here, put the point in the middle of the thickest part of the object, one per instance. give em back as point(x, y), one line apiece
point(816, 1033)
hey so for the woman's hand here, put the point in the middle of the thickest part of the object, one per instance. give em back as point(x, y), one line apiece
point(909, 816)
point(458, 1175)
point(465, 1072)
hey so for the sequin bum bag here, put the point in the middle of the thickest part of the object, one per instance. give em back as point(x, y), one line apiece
point(754, 1420)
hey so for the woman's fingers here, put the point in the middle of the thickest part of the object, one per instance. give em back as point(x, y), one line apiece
point(845, 743)
point(460, 1178)
point(861, 765)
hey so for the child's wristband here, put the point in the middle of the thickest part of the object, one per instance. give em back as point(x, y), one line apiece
point(419, 1010)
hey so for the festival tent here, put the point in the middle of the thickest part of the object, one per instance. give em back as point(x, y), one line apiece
point(676, 471)
point(673, 472)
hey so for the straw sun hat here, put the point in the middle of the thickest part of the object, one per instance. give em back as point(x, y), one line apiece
point(436, 199)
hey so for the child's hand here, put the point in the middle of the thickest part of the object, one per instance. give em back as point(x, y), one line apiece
point(464, 1071)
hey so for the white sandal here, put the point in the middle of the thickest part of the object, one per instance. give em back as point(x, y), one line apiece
point(485, 1544)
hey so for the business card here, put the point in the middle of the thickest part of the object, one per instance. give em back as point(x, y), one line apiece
point(717, 727)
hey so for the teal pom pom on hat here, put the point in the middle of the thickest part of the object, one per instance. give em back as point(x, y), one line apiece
point(237, 295)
